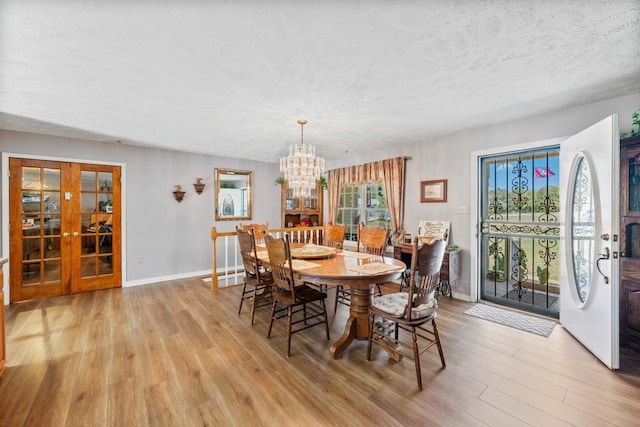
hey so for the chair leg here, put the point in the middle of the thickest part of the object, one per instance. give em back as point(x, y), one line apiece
point(379, 289)
point(340, 292)
point(273, 315)
point(437, 337)
point(289, 315)
point(326, 318)
point(304, 312)
point(244, 290)
point(416, 355)
point(373, 319)
point(253, 306)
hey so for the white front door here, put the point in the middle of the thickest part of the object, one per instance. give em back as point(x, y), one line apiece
point(589, 177)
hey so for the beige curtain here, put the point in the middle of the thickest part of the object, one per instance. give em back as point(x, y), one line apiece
point(390, 172)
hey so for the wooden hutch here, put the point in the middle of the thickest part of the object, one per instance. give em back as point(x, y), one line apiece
point(295, 209)
point(630, 242)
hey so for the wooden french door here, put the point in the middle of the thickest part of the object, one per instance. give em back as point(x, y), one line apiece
point(64, 228)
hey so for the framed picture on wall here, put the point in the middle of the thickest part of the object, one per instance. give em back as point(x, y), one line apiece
point(433, 191)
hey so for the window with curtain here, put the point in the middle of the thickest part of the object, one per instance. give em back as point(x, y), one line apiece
point(372, 191)
point(362, 203)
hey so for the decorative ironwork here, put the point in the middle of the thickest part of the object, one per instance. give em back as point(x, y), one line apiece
point(534, 229)
point(583, 231)
point(520, 230)
point(519, 185)
point(547, 207)
point(519, 271)
point(582, 271)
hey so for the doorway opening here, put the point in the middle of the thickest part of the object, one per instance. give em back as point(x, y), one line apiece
point(520, 230)
point(64, 228)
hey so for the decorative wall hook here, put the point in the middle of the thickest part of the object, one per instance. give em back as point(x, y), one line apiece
point(199, 185)
point(178, 194)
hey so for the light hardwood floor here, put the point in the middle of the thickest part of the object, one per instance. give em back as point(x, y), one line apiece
point(177, 354)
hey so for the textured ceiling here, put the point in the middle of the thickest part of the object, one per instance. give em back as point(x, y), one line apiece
point(231, 78)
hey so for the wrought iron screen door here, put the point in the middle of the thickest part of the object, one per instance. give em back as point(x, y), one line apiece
point(520, 230)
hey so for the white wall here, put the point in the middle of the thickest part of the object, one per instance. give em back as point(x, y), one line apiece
point(448, 157)
point(173, 238)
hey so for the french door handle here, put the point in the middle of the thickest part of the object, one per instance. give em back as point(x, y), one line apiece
point(65, 234)
point(76, 234)
point(605, 255)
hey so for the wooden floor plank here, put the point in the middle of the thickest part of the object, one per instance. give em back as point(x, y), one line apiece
point(177, 353)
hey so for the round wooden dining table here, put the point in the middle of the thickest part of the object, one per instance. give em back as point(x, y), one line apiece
point(360, 272)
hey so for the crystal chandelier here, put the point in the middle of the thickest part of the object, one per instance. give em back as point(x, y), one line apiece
point(301, 167)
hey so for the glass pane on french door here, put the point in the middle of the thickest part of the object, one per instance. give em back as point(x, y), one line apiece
point(520, 230)
point(97, 223)
point(40, 211)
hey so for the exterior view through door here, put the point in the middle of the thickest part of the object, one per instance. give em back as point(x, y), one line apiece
point(520, 230)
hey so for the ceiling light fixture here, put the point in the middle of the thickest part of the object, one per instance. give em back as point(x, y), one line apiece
point(302, 168)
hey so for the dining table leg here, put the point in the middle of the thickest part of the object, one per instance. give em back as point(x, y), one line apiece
point(358, 323)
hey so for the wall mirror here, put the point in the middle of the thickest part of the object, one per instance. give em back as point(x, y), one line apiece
point(233, 194)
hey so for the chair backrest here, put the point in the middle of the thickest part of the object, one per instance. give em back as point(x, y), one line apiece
point(334, 235)
point(248, 252)
point(372, 240)
point(426, 262)
point(280, 263)
point(258, 230)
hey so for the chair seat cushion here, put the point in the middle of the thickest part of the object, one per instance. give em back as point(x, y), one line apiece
point(395, 305)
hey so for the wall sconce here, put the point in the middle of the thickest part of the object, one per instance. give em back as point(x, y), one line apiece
point(199, 185)
point(178, 194)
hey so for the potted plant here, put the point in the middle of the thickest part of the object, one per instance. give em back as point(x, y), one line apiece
point(543, 275)
point(496, 271)
point(636, 122)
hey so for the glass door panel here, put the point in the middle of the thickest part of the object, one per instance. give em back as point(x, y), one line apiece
point(97, 223)
point(35, 229)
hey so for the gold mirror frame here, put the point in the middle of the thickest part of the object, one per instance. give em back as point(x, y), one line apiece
point(233, 195)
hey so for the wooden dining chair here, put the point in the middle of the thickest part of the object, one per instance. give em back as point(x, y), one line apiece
point(333, 235)
point(291, 299)
point(258, 231)
point(257, 281)
point(411, 311)
point(371, 240)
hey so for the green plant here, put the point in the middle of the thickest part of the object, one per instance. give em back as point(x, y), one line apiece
point(635, 122)
point(498, 264)
point(280, 180)
point(543, 275)
point(322, 182)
